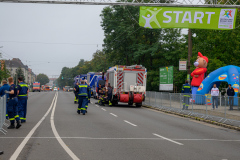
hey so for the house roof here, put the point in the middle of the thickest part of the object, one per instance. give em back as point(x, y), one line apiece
point(15, 63)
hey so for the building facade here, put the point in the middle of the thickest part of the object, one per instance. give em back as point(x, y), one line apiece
point(14, 64)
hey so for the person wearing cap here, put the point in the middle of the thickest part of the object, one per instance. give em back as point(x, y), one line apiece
point(4, 88)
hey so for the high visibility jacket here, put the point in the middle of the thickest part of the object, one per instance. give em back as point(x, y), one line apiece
point(23, 90)
point(186, 89)
point(83, 90)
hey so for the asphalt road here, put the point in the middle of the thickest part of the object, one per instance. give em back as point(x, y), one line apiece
point(54, 131)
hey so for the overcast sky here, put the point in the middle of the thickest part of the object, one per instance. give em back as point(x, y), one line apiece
point(76, 27)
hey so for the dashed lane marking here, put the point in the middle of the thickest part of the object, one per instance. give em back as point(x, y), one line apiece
point(96, 105)
point(114, 115)
point(103, 109)
point(130, 123)
point(167, 139)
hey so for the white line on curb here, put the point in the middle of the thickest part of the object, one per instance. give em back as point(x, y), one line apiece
point(103, 109)
point(65, 147)
point(130, 123)
point(24, 142)
point(167, 139)
point(114, 115)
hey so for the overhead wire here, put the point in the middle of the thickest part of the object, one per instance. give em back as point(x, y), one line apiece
point(57, 43)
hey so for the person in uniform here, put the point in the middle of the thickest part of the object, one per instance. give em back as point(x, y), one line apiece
point(109, 94)
point(4, 88)
point(187, 90)
point(22, 99)
point(76, 93)
point(103, 97)
point(82, 97)
point(12, 105)
point(89, 96)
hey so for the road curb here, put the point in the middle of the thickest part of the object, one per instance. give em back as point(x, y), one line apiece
point(195, 118)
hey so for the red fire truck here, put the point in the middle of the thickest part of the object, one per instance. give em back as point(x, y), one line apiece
point(128, 84)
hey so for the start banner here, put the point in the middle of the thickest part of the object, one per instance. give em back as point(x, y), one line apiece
point(193, 18)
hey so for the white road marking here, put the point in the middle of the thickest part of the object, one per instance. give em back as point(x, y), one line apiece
point(130, 123)
point(96, 105)
point(167, 139)
point(65, 147)
point(103, 109)
point(114, 115)
point(24, 142)
point(218, 140)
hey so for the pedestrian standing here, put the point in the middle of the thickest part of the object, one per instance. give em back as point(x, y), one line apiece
point(230, 93)
point(186, 90)
point(12, 105)
point(89, 96)
point(82, 97)
point(109, 94)
point(215, 94)
point(76, 93)
point(4, 88)
point(22, 99)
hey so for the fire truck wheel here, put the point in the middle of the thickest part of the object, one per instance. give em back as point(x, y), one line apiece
point(138, 105)
point(130, 103)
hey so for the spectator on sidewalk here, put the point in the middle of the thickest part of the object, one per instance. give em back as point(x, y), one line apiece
point(215, 94)
point(230, 93)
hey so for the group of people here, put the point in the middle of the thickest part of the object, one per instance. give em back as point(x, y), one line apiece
point(215, 94)
point(82, 96)
point(187, 91)
point(17, 96)
point(104, 94)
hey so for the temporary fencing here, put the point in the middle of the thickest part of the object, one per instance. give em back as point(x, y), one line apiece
point(3, 114)
point(196, 106)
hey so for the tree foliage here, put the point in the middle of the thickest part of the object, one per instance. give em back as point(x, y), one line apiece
point(19, 73)
point(42, 78)
point(4, 73)
point(126, 43)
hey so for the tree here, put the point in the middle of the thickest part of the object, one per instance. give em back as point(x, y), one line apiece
point(42, 78)
point(4, 73)
point(19, 73)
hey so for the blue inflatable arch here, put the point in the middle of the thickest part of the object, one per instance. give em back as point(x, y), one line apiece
point(229, 74)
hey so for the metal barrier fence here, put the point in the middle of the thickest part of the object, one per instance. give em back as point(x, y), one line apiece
point(197, 106)
point(3, 114)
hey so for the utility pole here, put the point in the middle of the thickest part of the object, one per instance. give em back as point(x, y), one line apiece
point(189, 53)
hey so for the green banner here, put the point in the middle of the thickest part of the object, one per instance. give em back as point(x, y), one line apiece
point(166, 78)
point(180, 17)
